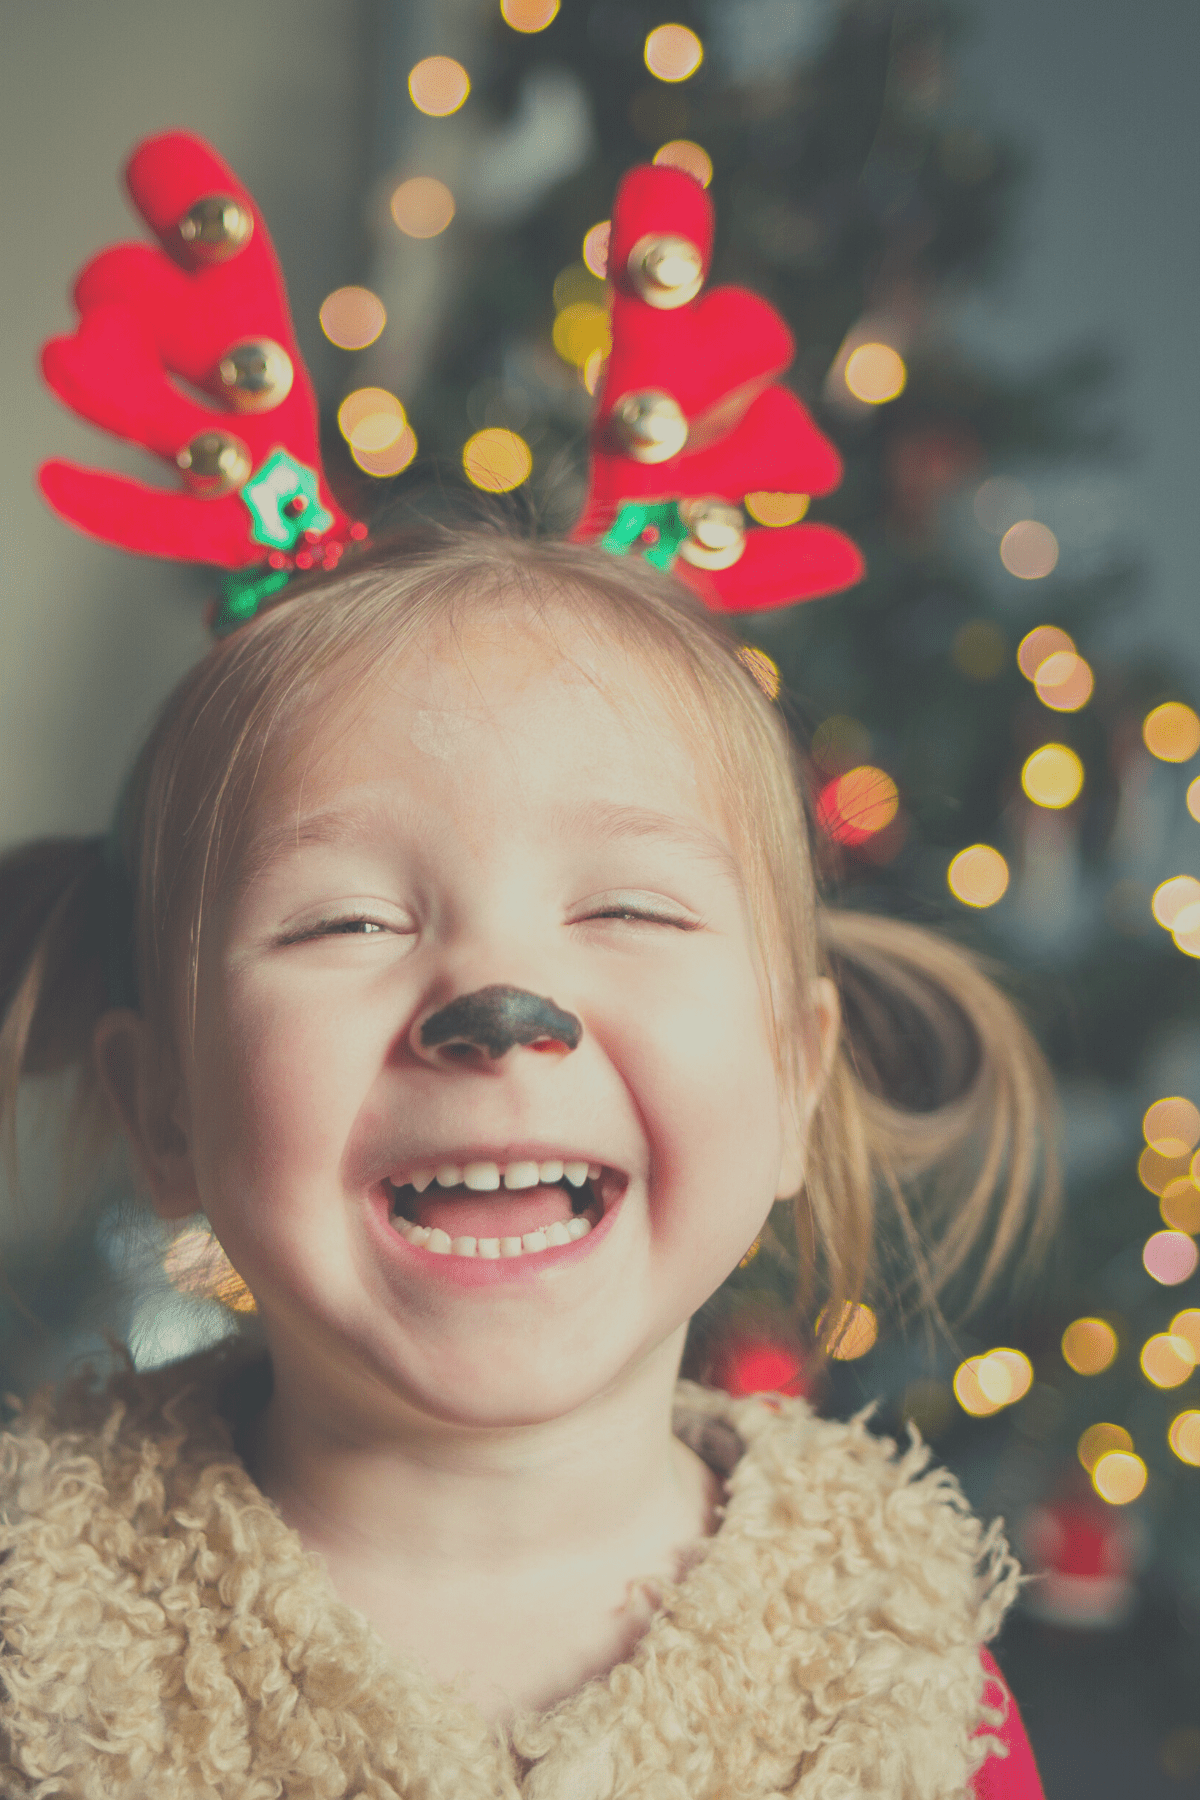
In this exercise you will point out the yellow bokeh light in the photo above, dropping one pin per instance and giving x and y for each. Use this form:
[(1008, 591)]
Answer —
[(1186, 1324), (352, 317), (595, 248), (673, 53), (1167, 1359), (529, 15), (761, 667), (371, 419), (1170, 1257), (1029, 550), (1180, 1206), (1039, 645), (776, 509), (855, 1333), (983, 1384), (438, 86), (1172, 1126), (978, 876), (581, 330), (1052, 776), (1193, 799), (1183, 1435), (422, 206), (1170, 897), (391, 459), (875, 373), (592, 370), (681, 153), (1099, 1440), (1064, 682), (969, 1393), (1172, 732), (979, 649), (1186, 930), (1089, 1346), (1157, 1172), (865, 801), (1119, 1477), (497, 460)]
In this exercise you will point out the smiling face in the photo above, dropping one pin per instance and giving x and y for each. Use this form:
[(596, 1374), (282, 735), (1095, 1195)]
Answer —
[(505, 806)]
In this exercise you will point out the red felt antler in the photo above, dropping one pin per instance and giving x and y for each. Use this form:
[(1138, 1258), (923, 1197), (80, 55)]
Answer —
[(689, 419), (209, 309)]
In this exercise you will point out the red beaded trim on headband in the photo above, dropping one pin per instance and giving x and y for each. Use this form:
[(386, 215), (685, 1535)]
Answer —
[(209, 308)]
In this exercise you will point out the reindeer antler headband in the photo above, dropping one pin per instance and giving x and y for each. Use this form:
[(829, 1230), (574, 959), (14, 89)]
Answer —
[(689, 417)]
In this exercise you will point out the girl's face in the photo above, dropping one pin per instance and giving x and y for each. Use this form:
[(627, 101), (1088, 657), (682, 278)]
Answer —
[(502, 807)]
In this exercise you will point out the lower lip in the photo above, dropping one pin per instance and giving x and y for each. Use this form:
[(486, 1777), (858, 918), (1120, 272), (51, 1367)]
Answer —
[(449, 1270)]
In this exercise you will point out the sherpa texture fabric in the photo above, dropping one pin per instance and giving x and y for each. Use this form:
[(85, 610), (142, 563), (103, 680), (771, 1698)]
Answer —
[(164, 1634)]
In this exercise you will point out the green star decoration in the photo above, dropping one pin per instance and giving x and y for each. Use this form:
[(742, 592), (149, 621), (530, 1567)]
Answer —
[(633, 519), (279, 481)]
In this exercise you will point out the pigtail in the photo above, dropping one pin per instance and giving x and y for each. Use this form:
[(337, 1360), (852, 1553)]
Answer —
[(53, 900), (932, 1157)]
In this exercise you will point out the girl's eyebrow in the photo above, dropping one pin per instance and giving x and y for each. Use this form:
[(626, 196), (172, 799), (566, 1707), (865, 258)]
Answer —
[(605, 820)]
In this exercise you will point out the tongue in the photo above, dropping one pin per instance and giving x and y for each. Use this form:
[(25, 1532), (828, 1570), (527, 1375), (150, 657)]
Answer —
[(461, 1213)]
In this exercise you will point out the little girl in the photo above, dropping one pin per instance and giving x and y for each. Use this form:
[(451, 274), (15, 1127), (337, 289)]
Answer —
[(477, 993)]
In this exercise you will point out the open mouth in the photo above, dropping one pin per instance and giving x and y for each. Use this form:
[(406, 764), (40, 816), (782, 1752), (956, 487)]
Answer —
[(493, 1209)]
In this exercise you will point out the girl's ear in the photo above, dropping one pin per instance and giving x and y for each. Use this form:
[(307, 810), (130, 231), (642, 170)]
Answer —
[(820, 1051), (140, 1077)]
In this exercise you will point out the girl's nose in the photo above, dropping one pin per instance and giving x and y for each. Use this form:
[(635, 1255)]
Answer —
[(489, 1022)]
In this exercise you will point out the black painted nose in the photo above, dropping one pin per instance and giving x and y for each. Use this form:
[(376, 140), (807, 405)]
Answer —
[(495, 1019)]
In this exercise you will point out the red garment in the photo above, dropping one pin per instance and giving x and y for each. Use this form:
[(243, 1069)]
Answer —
[(1015, 1776)]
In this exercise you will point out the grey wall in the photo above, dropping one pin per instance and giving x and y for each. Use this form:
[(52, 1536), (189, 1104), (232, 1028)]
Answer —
[(91, 640)]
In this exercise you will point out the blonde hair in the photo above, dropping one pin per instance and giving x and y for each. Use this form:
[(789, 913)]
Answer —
[(909, 1190)]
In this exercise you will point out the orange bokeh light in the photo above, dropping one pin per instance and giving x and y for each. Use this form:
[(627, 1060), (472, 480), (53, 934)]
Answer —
[(854, 806), (673, 53), (1029, 550), (1172, 732), (438, 86), (682, 153), (422, 206)]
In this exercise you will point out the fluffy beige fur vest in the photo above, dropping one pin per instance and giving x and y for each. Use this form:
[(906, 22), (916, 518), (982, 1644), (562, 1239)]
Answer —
[(165, 1636)]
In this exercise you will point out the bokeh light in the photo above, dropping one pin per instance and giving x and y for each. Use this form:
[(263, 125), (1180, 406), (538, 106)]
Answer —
[(582, 330), (1038, 646), (1157, 1172), (1029, 550), (673, 53), (371, 419), (1119, 1477), (875, 373), (1186, 1324), (984, 1384), (1172, 1126), (438, 86), (1186, 929), (529, 15), (391, 459), (1167, 1360), (776, 509), (856, 805), (1183, 1435), (1172, 732), (978, 876), (1052, 776), (1064, 682), (595, 248), (1089, 1346), (763, 669), (1193, 799), (855, 1333), (497, 460), (979, 650), (1000, 500), (1170, 1257), (352, 317), (682, 153), (422, 206), (1099, 1440), (1170, 897), (1180, 1205)]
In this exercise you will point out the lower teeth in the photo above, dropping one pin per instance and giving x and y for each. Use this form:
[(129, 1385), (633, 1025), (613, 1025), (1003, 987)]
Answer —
[(563, 1231)]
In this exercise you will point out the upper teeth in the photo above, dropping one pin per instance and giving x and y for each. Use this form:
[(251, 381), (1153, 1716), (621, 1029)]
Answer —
[(486, 1176)]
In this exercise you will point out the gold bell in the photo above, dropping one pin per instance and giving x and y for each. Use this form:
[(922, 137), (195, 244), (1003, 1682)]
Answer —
[(216, 228), (666, 271), (716, 533), (649, 426), (215, 463), (256, 374)]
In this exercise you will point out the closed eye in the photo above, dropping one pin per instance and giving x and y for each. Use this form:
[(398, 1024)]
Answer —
[(350, 925), (630, 914)]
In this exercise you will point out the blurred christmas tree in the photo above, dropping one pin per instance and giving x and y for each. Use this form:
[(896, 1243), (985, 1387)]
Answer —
[(984, 764)]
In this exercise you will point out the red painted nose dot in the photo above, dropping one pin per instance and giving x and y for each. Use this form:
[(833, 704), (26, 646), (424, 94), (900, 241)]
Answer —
[(549, 1047)]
